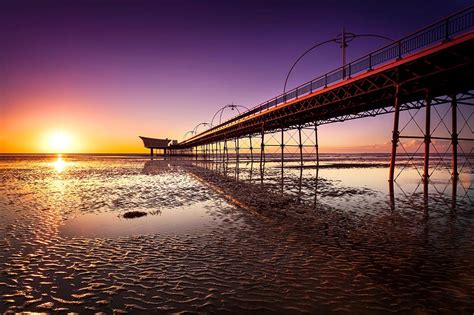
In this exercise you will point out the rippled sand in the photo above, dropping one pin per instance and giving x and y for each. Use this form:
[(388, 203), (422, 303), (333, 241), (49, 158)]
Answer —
[(254, 249)]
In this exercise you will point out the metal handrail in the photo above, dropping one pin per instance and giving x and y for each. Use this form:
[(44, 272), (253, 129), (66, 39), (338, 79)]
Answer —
[(442, 30)]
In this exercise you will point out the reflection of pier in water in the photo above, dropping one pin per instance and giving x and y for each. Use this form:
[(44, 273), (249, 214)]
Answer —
[(408, 227), (306, 185), (400, 255)]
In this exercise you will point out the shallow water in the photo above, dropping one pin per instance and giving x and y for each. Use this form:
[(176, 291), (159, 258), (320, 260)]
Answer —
[(223, 238)]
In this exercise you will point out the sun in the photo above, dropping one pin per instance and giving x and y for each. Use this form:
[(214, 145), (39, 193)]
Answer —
[(59, 141)]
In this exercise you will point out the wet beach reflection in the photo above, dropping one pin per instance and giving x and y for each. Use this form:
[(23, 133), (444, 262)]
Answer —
[(230, 237)]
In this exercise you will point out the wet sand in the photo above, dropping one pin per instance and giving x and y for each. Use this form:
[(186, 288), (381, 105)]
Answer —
[(256, 250)]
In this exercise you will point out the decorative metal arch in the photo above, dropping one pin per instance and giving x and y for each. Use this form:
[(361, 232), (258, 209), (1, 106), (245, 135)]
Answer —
[(221, 111), (187, 132), (200, 124), (342, 39)]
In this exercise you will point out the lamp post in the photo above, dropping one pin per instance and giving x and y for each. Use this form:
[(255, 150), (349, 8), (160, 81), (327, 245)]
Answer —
[(342, 39)]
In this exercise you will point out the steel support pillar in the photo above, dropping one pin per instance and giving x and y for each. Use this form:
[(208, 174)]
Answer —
[(215, 151), (426, 161), (219, 149), (282, 147), (237, 150), (300, 146), (316, 145), (251, 148), (454, 194), (395, 133), (262, 148), (454, 136), (225, 150)]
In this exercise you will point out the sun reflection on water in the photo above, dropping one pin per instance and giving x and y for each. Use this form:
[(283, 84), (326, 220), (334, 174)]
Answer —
[(59, 164)]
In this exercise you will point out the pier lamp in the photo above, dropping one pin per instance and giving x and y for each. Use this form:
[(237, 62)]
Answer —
[(342, 39), (221, 111)]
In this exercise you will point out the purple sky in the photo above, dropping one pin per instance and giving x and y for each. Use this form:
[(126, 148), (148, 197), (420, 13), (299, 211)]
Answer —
[(119, 69)]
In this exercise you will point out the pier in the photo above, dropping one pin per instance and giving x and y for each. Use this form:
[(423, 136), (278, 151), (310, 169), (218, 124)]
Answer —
[(430, 67)]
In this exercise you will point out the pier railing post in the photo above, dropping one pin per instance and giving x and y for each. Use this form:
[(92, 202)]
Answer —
[(395, 132), (454, 136), (426, 161)]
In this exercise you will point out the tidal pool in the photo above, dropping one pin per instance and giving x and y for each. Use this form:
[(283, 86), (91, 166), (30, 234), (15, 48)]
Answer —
[(110, 224)]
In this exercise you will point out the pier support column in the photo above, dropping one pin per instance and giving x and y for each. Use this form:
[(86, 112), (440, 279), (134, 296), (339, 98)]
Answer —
[(395, 133), (220, 149), (282, 147), (226, 151), (316, 141), (237, 150), (262, 148), (391, 191), (151, 153), (454, 193), (300, 146), (214, 150), (426, 162), (454, 136), (251, 148)]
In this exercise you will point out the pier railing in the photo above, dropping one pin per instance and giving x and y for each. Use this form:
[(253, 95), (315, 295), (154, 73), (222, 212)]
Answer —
[(435, 33)]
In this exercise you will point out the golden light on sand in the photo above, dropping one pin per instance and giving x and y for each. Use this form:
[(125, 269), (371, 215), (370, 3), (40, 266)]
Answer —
[(58, 142)]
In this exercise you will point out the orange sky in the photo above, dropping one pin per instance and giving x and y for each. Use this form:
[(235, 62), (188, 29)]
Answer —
[(30, 125)]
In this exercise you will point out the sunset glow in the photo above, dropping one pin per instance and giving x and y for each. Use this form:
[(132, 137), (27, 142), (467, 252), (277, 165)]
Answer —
[(58, 142), (107, 88), (232, 157)]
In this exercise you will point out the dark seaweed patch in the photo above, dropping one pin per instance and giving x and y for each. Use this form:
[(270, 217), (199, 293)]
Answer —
[(134, 214)]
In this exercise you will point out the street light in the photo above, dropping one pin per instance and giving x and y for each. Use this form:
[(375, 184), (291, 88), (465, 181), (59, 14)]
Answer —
[(342, 39), (221, 110)]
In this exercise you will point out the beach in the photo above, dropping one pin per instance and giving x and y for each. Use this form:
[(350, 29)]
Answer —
[(228, 237)]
